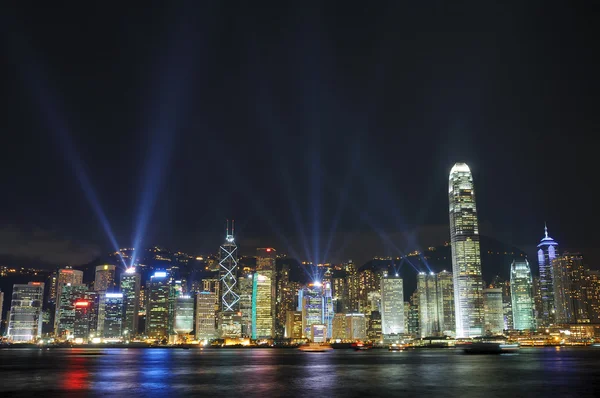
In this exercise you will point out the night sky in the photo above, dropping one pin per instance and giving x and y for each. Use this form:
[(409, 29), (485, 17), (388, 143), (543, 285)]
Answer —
[(326, 131)]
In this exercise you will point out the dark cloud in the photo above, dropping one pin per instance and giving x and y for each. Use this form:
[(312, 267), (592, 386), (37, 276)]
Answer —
[(34, 245)]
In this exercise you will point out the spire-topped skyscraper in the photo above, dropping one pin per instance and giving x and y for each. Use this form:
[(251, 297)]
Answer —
[(228, 271), (547, 251), (466, 257)]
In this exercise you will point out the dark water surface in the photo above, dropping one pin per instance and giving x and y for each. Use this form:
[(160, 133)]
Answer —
[(155, 372)]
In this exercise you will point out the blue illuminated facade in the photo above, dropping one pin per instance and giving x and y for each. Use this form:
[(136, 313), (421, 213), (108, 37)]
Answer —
[(547, 251)]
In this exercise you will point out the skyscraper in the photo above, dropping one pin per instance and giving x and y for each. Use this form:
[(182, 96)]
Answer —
[(428, 304), (65, 309), (157, 307), (245, 287), (445, 294), (25, 321), (310, 300), (547, 252), (569, 280), (263, 322), (130, 287), (113, 316), (228, 268), (392, 305), (264, 295), (184, 315), (105, 278), (493, 311), (205, 316), (466, 256), (521, 293)]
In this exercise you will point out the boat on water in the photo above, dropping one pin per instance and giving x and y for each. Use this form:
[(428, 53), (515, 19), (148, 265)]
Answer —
[(396, 347), (361, 346), (488, 346), (315, 347)]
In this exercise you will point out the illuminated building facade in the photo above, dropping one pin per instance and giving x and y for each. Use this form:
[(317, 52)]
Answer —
[(466, 256), (130, 287), (157, 307), (311, 301), (206, 316), (82, 326), (428, 304), (65, 309), (293, 325), (25, 316), (374, 326), (413, 313), (184, 315), (245, 287), (592, 295), (547, 252), (352, 286), (521, 293), (445, 294), (569, 281), (339, 327), (228, 268), (356, 327), (283, 302), (493, 311), (369, 282), (113, 316), (392, 305), (105, 278), (263, 321)]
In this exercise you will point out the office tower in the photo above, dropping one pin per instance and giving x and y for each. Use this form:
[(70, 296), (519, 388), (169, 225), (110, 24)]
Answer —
[(282, 303), (356, 327), (413, 322), (328, 312), (184, 315), (466, 256), (82, 322), (310, 300), (113, 316), (499, 283), (105, 278), (445, 295), (25, 319), (338, 326), (352, 286), (288, 295), (51, 282), (63, 277), (293, 325), (374, 326), (392, 305), (368, 282), (176, 290), (428, 304), (263, 322), (264, 295), (592, 295), (339, 287), (157, 307), (228, 264), (65, 309), (493, 311), (538, 305), (569, 280), (130, 287), (245, 287), (521, 293), (318, 333), (205, 316), (547, 252)]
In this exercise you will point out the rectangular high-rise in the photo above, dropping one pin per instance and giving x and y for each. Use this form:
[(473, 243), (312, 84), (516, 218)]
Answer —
[(428, 304), (130, 287), (25, 320), (466, 256), (263, 321), (105, 278), (113, 316), (157, 307), (392, 305), (569, 279), (205, 316), (521, 293), (493, 311)]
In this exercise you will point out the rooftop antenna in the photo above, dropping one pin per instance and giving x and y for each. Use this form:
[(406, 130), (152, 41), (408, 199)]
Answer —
[(545, 229)]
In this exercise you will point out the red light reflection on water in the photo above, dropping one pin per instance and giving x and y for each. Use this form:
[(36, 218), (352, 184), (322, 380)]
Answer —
[(76, 376)]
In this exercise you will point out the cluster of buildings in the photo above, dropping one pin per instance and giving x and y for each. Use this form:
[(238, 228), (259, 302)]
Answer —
[(260, 304)]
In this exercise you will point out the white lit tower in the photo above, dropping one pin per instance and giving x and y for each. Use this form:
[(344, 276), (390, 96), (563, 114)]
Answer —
[(228, 272), (466, 256)]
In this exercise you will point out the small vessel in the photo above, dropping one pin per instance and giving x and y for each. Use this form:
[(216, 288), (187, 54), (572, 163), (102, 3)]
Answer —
[(359, 346), (315, 347), (396, 347), (488, 346)]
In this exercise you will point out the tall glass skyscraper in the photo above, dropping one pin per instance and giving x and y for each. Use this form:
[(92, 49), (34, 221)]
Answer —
[(157, 306), (105, 278), (228, 268), (263, 321), (569, 288), (428, 304), (392, 305), (130, 287), (547, 252), (466, 256), (521, 293), (25, 320)]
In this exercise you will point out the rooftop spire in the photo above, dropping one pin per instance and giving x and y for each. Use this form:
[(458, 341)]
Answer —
[(545, 229)]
